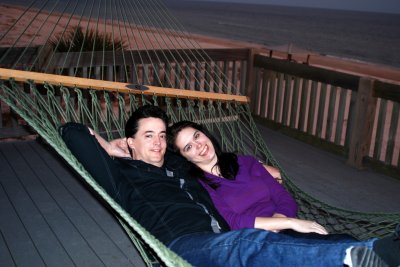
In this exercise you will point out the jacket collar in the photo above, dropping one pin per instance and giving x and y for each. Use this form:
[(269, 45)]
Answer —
[(172, 162)]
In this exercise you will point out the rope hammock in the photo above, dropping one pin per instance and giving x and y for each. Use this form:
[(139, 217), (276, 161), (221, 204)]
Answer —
[(117, 56)]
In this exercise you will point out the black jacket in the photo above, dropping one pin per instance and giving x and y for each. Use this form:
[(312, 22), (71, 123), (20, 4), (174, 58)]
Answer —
[(156, 197)]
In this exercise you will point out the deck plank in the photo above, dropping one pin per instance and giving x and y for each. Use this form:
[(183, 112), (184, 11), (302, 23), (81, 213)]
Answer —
[(16, 238), (6, 258), (44, 219), (103, 217), (64, 224)]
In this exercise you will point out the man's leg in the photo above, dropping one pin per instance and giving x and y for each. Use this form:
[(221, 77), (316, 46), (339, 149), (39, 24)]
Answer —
[(252, 247)]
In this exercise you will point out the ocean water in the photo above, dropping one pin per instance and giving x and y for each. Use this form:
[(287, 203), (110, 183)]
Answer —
[(364, 36)]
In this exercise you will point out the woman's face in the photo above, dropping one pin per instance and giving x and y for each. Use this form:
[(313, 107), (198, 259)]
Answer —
[(196, 147)]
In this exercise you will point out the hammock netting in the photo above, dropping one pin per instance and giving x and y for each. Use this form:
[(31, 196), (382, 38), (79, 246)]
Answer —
[(46, 107), (139, 45)]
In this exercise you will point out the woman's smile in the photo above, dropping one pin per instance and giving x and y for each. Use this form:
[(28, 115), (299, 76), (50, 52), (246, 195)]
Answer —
[(204, 151)]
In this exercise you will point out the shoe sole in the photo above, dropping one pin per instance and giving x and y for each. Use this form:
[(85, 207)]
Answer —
[(364, 257)]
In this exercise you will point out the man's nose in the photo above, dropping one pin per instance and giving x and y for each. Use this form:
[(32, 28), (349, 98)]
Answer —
[(157, 140)]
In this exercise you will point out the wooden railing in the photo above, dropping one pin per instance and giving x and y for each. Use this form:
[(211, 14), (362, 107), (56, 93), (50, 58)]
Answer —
[(357, 116), (354, 115), (217, 70), (230, 77)]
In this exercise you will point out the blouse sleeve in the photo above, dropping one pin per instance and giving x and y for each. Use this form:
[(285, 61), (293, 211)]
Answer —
[(285, 203)]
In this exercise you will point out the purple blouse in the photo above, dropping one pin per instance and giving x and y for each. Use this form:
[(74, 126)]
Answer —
[(254, 193)]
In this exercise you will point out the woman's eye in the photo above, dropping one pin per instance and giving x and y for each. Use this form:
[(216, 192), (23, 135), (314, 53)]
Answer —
[(188, 148)]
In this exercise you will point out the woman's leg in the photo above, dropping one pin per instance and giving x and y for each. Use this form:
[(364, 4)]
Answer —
[(332, 237), (253, 247)]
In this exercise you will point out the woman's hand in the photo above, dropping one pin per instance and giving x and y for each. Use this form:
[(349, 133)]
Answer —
[(304, 226), (279, 215)]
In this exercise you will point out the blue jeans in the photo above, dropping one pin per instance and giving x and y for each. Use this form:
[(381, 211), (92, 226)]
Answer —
[(253, 247)]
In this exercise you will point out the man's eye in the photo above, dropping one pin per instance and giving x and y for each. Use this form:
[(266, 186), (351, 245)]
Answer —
[(162, 136), (148, 136)]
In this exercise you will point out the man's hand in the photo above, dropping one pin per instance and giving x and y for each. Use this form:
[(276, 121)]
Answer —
[(118, 148), (114, 148)]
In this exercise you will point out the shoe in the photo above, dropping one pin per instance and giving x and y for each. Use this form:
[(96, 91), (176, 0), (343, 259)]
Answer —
[(365, 257), (388, 248)]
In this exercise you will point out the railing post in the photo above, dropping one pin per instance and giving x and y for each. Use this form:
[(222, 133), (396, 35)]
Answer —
[(250, 74), (1, 116), (363, 122)]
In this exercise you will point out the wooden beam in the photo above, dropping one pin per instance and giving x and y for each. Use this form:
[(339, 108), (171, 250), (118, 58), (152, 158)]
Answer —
[(250, 73), (332, 77), (363, 122), (84, 83)]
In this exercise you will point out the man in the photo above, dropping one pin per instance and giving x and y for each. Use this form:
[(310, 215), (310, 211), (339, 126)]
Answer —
[(150, 184), (154, 193)]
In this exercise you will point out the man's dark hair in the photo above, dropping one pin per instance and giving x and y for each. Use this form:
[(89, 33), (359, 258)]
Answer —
[(146, 111)]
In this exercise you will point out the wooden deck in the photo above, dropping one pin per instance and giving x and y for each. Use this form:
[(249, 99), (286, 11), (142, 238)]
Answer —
[(49, 218), (329, 178)]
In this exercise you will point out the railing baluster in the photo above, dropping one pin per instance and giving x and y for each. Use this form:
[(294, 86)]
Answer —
[(392, 134)]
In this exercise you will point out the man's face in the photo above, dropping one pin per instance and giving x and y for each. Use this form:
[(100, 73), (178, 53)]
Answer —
[(149, 143)]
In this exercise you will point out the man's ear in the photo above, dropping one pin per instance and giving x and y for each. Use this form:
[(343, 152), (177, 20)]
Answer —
[(130, 143), (131, 147)]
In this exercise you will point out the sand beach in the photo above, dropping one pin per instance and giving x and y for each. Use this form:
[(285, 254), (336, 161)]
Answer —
[(35, 28)]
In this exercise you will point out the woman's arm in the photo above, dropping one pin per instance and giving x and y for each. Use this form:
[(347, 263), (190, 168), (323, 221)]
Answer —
[(279, 224), (276, 223), (285, 204), (274, 173)]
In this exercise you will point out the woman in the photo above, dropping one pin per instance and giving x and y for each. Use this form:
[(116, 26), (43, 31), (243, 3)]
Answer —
[(245, 194)]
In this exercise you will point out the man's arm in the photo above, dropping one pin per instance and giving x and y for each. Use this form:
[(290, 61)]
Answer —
[(88, 151), (115, 148)]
